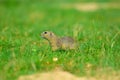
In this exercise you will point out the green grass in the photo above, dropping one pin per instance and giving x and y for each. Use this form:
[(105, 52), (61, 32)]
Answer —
[(23, 51)]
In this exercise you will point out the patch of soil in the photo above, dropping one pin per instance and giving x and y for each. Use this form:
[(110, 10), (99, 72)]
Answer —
[(55, 75), (63, 75), (90, 6)]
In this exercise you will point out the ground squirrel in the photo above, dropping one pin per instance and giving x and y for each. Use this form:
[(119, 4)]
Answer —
[(59, 43)]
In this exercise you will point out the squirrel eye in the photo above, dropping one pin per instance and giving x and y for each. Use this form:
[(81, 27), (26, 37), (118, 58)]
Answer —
[(45, 32)]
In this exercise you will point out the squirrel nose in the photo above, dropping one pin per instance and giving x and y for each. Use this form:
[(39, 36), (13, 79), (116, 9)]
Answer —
[(41, 34)]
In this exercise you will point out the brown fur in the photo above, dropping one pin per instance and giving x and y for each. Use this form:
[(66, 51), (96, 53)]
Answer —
[(57, 43)]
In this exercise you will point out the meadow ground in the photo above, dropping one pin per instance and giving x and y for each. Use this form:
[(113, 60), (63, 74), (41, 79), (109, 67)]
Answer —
[(23, 51)]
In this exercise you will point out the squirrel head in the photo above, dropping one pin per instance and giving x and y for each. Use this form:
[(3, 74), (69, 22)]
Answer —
[(48, 35)]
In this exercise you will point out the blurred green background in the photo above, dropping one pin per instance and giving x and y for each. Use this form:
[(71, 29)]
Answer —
[(23, 51)]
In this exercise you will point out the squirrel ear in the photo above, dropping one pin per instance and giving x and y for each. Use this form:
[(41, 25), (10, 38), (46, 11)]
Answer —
[(51, 34)]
